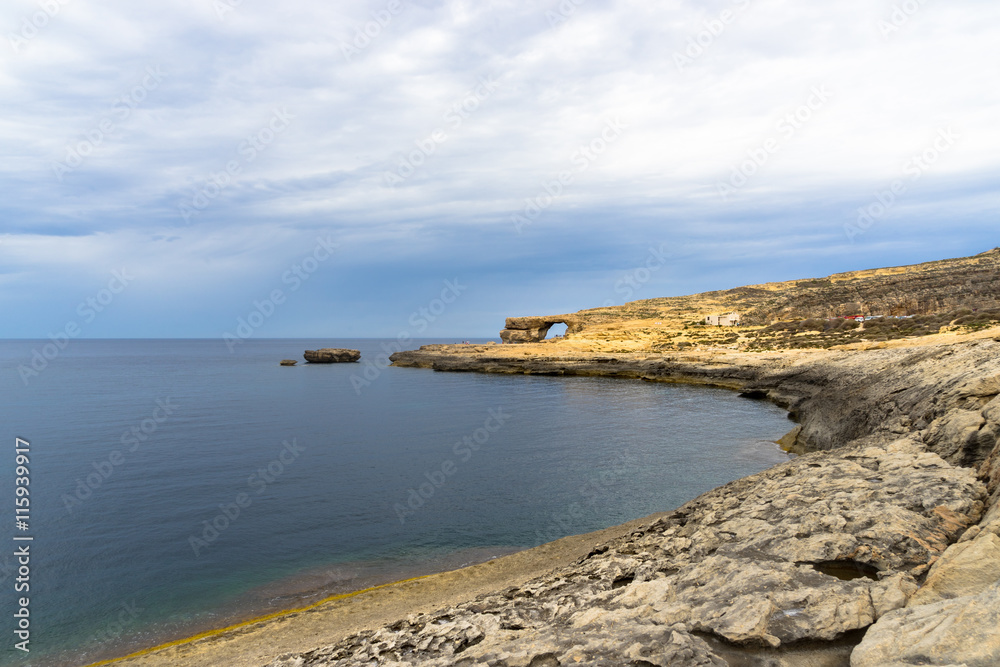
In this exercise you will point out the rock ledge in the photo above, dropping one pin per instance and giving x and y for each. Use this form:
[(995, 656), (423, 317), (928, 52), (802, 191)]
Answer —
[(332, 355)]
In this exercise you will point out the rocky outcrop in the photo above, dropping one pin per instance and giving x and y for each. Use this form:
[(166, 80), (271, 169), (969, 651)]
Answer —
[(534, 329), (331, 355), (889, 528), (288, 362), (962, 631)]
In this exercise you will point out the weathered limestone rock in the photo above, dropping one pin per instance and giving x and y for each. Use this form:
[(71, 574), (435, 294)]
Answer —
[(989, 469), (962, 631), (288, 362), (966, 568), (288, 660), (766, 602), (331, 355), (534, 329)]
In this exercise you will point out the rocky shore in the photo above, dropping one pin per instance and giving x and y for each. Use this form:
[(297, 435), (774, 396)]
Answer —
[(880, 545)]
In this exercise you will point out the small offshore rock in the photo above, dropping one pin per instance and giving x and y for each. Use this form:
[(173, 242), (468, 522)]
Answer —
[(332, 355), (288, 362)]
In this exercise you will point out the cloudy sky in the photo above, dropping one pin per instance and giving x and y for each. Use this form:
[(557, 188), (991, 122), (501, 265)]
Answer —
[(359, 159)]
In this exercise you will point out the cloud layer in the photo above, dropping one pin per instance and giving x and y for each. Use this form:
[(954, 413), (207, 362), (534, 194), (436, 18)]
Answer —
[(536, 150)]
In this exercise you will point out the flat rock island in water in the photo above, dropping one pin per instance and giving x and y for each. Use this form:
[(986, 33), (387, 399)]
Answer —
[(331, 355)]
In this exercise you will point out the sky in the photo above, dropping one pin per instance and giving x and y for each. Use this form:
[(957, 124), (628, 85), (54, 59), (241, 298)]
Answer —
[(418, 168)]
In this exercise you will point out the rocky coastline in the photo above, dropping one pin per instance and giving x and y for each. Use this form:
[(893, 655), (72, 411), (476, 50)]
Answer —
[(879, 545)]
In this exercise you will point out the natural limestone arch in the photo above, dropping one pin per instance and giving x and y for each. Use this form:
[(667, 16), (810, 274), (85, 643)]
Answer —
[(534, 329)]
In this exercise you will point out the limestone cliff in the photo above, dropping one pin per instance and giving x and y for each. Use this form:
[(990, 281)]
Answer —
[(963, 289)]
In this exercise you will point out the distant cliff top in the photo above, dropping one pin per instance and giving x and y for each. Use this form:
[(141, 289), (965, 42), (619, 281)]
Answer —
[(917, 289), (963, 290)]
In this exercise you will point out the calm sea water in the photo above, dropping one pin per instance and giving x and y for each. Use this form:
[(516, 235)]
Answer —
[(176, 486)]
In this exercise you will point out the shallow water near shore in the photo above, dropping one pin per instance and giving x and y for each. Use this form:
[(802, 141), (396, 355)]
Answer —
[(178, 487)]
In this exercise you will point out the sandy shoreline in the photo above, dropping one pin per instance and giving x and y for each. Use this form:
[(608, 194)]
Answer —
[(301, 590), (256, 642)]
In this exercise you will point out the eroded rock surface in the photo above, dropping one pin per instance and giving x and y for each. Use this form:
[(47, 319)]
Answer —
[(534, 329), (331, 355), (962, 631)]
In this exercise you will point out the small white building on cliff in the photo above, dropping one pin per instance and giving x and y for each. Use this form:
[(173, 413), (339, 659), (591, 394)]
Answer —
[(729, 320)]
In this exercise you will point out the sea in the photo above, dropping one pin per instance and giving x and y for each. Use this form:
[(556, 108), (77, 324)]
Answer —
[(175, 486)]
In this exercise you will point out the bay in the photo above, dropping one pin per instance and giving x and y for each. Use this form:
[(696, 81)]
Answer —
[(177, 486)]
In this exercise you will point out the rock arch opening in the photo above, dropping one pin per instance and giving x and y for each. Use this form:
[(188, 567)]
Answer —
[(536, 329), (557, 330)]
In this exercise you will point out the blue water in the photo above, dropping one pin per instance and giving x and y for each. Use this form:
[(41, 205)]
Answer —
[(338, 484)]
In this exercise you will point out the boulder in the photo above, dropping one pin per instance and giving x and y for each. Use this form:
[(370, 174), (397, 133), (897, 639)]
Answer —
[(288, 362), (331, 355), (962, 631), (965, 568)]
